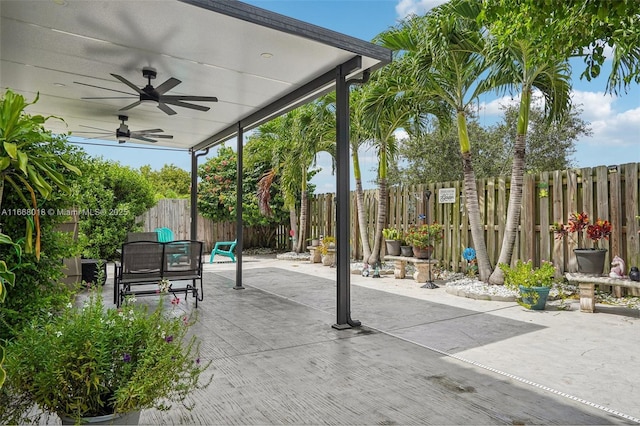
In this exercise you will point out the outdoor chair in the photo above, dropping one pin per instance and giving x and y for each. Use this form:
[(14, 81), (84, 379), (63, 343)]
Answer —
[(165, 235), (224, 248), (144, 264)]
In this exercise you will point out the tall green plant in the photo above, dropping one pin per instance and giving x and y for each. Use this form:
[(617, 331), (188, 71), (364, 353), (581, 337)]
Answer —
[(9, 277), (24, 164), (443, 58)]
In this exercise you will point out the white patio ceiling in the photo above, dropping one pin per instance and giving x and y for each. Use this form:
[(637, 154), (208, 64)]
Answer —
[(216, 48)]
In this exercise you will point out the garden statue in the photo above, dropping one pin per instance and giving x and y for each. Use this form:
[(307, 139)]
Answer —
[(634, 274), (617, 268)]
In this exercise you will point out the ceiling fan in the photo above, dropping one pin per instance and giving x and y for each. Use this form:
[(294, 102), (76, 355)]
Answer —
[(123, 134), (157, 94)]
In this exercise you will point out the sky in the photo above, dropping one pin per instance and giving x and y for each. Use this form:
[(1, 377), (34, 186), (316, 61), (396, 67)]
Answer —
[(614, 120)]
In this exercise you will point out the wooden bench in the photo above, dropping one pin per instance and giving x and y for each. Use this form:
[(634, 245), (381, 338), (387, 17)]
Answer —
[(586, 283), (423, 267), (144, 264)]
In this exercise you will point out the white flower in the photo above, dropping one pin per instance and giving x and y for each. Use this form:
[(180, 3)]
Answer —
[(69, 305), (58, 333)]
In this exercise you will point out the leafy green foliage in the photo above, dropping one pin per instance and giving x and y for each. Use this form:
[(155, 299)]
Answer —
[(37, 288), (25, 161), (110, 197), (169, 182), (94, 361), (425, 235), (574, 28), (217, 190), (526, 275), (549, 147)]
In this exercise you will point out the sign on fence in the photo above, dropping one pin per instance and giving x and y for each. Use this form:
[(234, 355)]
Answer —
[(447, 195)]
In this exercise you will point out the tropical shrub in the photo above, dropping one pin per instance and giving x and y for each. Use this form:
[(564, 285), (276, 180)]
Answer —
[(110, 197)]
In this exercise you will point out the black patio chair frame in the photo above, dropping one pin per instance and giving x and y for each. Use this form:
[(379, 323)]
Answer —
[(147, 263)]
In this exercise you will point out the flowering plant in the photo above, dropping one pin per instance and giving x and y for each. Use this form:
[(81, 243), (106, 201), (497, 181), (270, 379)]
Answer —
[(327, 243), (579, 224), (93, 361), (425, 235)]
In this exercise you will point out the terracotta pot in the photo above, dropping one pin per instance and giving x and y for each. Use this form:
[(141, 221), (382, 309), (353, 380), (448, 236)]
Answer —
[(422, 252)]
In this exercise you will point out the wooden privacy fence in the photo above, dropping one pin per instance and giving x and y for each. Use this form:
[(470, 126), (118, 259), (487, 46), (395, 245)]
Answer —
[(175, 215), (548, 197)]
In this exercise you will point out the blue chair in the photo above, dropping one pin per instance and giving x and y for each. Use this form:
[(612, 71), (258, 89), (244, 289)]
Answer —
[(219, 248), (165, 235)]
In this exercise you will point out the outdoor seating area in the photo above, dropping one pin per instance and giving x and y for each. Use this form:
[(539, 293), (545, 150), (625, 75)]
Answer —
[(427, 359), (145, 265)]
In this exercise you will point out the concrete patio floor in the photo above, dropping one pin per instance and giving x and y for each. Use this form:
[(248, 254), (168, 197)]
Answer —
[(421, 357)]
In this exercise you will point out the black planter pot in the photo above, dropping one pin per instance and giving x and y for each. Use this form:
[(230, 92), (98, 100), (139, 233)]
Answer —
[(406, 251), (590, 261), (90, 271), (393, 247)]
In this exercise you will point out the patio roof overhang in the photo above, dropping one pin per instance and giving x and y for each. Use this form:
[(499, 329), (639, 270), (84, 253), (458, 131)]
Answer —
[(259, 64)]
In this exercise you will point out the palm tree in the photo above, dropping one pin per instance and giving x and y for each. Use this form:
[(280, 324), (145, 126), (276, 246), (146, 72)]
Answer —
[(383, 113), (519, 65), (443, 53), (296, 138)]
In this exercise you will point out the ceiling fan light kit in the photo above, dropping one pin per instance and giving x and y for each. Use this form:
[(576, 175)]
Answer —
[(123, 134)]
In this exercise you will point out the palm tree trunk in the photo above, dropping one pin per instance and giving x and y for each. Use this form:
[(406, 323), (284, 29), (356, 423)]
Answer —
[(362, 220), (302, 231), (293, 222), (471, 196), (380, 222), (517, 181)]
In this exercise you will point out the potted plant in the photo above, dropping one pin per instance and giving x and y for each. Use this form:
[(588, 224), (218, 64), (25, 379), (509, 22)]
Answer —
[(93, 364), (423, 238), (590, 260), (405, 248), (532, 283), (392, 238), (328, 250)]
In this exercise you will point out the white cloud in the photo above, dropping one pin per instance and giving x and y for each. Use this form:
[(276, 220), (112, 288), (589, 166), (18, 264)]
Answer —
[(405, 8), (595, 105)]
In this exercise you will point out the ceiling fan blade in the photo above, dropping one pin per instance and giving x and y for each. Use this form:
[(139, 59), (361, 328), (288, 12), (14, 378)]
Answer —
[(104, 88), (186, 105), (166, 109), (109, 97), (159, 136), (166, 98), (167, 85), (148, 131), (135, 104), (142, 138), (128, 83)]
